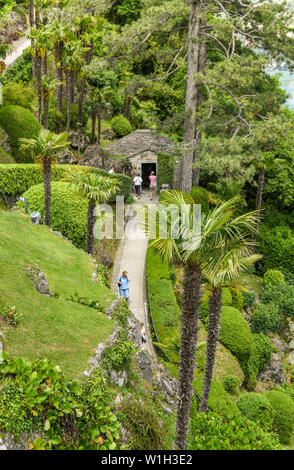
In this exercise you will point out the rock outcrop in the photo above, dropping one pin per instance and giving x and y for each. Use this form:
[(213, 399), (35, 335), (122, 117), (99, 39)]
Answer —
[(39, 280), (95, 156)]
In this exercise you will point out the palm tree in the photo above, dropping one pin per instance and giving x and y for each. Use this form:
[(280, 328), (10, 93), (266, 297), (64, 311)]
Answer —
[(194, 249), (44, 148), (49, 84), (226, 267), (97, 189)]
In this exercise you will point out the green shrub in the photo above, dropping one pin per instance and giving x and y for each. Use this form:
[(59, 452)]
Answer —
[(282, 296), (20, 71), (230, 383), (219, 401), (237, 299), (283, 407), (226, 297), (249, 299), (119, 355), (208, 431), (265, 318), (165, 169), (260, 354), (5, 157), (53, 114), (201, 196), (204, 312), (18, 122), (35, 398), (15, 179), (257, 408), (18, 94), (235, 334), (273, 277), (121, 126), (121, 313), (277, 247), (69, 210)]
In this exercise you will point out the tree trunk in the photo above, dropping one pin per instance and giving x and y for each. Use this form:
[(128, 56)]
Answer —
[(46, 110), (38, 71), (99, 118), (47, 188), (215, 305), (198, 136), (261, 177), (191, 96), (94, 117), (127, 107), (80, 118), (59, 76), (90, 228), (189, 329), (31, 13), (68, 97)]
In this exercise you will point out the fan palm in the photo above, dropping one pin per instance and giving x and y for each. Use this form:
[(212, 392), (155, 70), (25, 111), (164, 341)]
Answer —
[(97, 189), (234, 257), (194, 248), (44, 148)]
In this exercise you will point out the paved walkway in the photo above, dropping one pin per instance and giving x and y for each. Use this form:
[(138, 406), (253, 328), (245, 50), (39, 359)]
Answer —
[(18, 47), (131, 258)]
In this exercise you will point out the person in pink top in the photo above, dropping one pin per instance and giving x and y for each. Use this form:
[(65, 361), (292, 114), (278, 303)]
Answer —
[(152, 179)]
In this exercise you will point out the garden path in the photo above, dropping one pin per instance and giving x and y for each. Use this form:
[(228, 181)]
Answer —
[(131, 258), (18, 47)]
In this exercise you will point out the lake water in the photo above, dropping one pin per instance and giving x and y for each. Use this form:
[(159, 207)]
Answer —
[(287, 83)]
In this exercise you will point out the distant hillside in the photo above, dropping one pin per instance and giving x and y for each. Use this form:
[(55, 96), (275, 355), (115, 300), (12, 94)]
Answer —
[(57, 328)]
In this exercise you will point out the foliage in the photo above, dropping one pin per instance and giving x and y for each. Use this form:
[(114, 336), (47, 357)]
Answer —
[(209, 431), (36, 397), (273, 277), (165, 169), (53, 115), (95, 304), (249, 299), (282, 296), (69, 211), (20, 71), (235, 334), (102, 275), (277, 247), (121, 314), (259, 358), (265, 318), (5, 157), (219, 401), (226, 297), (15, 179), (257, 408), (11, 316), (19, 95), (121, 126), (148, 431), (201, 196), (18, 122), (237, 299), (283, 407), (230, 383), (120, 354)]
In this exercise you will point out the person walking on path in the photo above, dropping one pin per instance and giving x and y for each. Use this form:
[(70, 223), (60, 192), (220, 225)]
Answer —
[(137, 182), (153, 184), (111, 171), (123, 284), (143, 333)]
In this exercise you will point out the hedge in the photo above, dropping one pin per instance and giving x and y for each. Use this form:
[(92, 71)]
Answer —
[(165, 169), (18, 122), (257, 408), (235, 334), (277, 248), (201, 196), (15, 179), (121, 126), (209, 431), (69, 210), (260, 354), (283, 407), (165, 310)]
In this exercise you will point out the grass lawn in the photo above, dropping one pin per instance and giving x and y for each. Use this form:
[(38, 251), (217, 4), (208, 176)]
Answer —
[(51, 327)]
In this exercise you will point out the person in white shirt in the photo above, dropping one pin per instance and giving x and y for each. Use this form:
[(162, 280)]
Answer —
[(143, 333), (111, 171), (137, 182)]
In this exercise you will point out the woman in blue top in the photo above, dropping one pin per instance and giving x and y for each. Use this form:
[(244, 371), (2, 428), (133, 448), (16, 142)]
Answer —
[(123, 284)]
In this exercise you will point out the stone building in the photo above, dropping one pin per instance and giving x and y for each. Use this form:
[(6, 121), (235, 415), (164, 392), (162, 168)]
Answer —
[(141, 149)]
